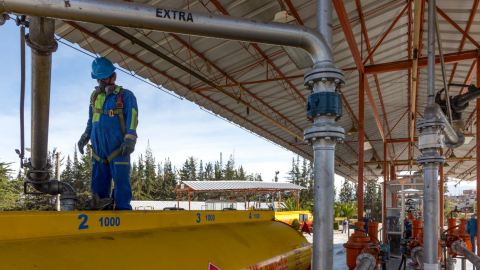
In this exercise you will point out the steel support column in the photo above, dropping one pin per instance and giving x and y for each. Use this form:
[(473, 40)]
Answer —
[(478, 153), (361, 140), (385, 174), (440, 193)]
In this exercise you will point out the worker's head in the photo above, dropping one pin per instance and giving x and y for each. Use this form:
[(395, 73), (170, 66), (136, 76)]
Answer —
[(104, 72)]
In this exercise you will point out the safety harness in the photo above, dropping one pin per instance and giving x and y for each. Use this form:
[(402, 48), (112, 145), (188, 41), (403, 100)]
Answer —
[(110, 113)]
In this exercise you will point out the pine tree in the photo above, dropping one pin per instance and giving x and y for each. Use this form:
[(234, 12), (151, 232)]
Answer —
[(346, 192), (242, 174), (275, 179), (201, 173), (149, 186), (229, 172)]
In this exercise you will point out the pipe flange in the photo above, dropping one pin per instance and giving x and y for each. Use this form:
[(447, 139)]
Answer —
[(456, 246), (324, 74), (324, 132), (430, 123), (368, 256), (412, 254), (41, 49), (431, 141), (461, 140), (424, 160)]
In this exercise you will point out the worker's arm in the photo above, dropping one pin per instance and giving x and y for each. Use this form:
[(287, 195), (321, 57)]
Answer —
[(88, 130), (131, 113)]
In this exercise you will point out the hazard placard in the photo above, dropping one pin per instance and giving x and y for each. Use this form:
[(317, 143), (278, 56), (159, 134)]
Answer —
[(212, 266)]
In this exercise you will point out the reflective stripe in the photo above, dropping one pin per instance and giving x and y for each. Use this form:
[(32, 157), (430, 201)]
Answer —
[(133, 124), (93, 162), (98, 105), (122, 163)]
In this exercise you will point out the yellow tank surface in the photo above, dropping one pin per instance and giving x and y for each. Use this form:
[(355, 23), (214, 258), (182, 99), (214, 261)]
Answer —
[(288, 217), (225, 240)]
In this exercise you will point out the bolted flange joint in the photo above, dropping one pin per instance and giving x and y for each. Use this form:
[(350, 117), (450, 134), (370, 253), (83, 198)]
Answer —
[(327, 132), (430, 123), (430, 159), (325, 74), (41, 49)]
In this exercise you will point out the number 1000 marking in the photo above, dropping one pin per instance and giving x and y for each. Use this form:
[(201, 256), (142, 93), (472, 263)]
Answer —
[(109, 221)]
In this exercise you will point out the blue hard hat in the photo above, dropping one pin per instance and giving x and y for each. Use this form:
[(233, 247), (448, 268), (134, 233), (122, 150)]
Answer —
[(102, 68)]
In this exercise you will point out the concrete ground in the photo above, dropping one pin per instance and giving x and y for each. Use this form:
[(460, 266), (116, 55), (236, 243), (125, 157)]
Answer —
[(339, 254)]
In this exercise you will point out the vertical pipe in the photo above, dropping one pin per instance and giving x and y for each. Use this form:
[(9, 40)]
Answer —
[(385, 173), (402, 218), (178, 199), (441, 192), (478, 155), (324, 162), (361, 134), (188, 199), (430, 169), (324, 20), (42, 34)]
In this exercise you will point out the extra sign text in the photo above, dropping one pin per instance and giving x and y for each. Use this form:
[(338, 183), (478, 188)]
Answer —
[(175, 15)]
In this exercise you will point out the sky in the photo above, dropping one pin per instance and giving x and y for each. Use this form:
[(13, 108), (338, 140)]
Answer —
[(175, 128)]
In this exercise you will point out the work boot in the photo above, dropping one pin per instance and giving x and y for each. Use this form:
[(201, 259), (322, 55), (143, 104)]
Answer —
[(95, 203)]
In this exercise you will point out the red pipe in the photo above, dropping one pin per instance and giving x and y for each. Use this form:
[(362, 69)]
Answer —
[(478, 151), (361, 139)]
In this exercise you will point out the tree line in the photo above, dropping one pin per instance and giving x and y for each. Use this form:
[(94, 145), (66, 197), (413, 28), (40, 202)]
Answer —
[(152, 180)]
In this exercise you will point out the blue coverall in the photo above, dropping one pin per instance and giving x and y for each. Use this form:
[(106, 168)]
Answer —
[(472, 231), (106, 136)]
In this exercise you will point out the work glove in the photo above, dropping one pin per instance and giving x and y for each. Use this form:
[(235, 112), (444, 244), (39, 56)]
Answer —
[(128, 146), (82, 142)]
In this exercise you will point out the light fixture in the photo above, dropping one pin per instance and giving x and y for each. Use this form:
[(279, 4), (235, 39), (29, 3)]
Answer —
[(378, 167), (469, 138), (373, 159), (452, 156), (446, 165), (299, 57), (382, 172), (367, 146), (353, 130)]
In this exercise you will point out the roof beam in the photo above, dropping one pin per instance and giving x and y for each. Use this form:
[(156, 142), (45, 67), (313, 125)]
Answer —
[(245, 120), (342, 16), (386, 32), (464, 38), (295, 93), (422, 62), (247, 83), (265, 105)]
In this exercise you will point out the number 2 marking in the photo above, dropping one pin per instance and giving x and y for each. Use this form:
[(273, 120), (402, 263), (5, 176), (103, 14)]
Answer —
[(82, 225), (198, 216)]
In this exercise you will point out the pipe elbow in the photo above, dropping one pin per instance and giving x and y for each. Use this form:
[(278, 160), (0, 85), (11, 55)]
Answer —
[(315, 44), (55, 187)]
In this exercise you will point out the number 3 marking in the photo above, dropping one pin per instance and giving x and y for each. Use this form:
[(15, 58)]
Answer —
[(198, 216), (82, 225)]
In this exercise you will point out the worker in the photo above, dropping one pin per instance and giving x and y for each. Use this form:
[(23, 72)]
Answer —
[(472, 230), (111, 128)]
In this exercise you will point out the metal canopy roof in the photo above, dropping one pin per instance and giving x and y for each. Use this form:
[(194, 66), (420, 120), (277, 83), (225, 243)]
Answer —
[(235, 185), (267, 79)]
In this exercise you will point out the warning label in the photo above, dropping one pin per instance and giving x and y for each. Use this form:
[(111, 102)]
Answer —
[(212, 266)]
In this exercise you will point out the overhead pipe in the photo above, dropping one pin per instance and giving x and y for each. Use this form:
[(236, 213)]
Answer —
[(42, 42), (144, 16)]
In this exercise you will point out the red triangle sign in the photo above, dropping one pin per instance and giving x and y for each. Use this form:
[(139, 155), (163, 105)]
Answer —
[(211, 266)]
